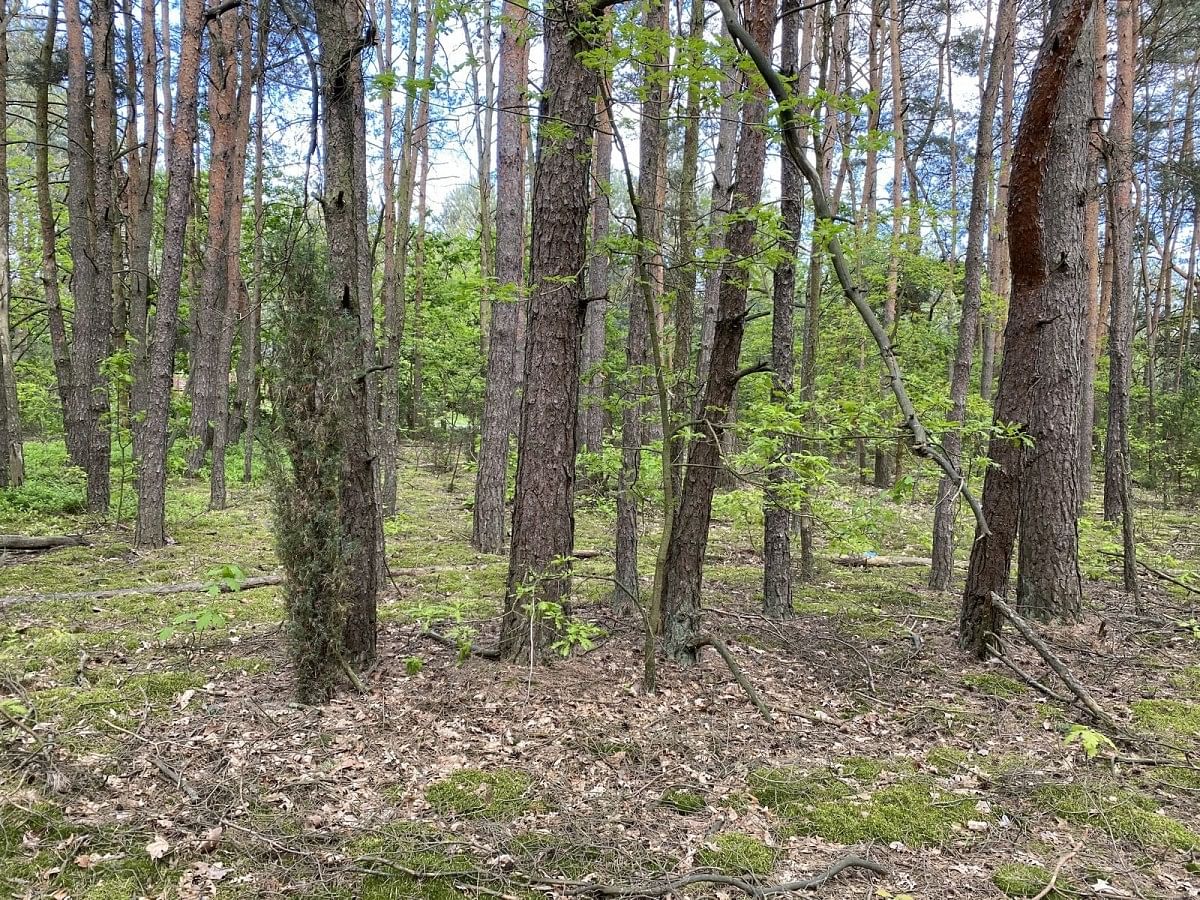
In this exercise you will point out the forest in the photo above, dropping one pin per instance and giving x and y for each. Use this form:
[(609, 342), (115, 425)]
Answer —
[(599, 448)]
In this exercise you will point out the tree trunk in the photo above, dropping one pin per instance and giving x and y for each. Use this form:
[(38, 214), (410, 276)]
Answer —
[(689, 537), (152, 467), (235, 289), (12, 458), (942, 567), (59, 348), (1091, 250), (1032, 489), (420, 161), (1118, 490), (251, 350), (543, 516), (344, 206), (777, 502), (591, 409), (90, 136), (503, 376), (885, 462), (651, 146), (393, 311)]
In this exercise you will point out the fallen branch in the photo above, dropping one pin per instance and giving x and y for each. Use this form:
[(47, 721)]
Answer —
[(871, 562), (1062, 861), (1054, 663), (40, 542), (708, 640), (151, 590)]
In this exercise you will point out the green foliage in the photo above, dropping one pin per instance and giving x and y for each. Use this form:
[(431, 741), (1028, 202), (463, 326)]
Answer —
[(496, 795), (735, 853), (1091, 740), (224, 578), (194, 624)]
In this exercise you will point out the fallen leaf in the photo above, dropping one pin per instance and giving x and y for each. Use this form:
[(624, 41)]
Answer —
[(158, 848)]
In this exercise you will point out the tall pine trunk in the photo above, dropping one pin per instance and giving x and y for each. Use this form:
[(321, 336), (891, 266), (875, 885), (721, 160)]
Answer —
[(1031, 486), (503, 375), (543, 516)]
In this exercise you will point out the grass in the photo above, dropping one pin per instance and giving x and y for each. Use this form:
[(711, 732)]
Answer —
[(1172, 717)]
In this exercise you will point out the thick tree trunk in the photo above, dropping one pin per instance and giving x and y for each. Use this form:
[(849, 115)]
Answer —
[(591, 410), (942, 567), (543, 516), (344, 206), (777, 500), (503, 376), (1032, 488), (12, 458), (152, 468), (90, 202), (207, 383), (1118, 490), (689, 537)]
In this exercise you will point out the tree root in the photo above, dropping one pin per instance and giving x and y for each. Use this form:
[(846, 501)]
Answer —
[(1060, 669), (708, 640)]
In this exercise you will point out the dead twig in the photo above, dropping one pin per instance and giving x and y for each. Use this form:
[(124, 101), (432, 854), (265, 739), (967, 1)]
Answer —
[(1000, 656)]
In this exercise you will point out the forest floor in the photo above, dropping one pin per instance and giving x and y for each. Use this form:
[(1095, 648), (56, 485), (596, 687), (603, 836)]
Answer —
[(137, 761)]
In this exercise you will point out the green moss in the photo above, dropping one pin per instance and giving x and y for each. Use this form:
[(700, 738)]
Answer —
[(1021, 879), (1181, 717), (912, 811), (683, 801), (554, 854), (778, 787), (1121, 812), (735, 853), (405, 887), (496, 795), (1188, 680), (999, 686), (946, 759)]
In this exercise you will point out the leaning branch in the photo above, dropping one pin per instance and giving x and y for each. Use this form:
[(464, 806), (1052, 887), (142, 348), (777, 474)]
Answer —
[(1055, 663), (708, 640), (921, 444)]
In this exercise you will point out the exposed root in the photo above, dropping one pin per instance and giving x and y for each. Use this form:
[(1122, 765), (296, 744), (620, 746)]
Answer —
[(708, 640)]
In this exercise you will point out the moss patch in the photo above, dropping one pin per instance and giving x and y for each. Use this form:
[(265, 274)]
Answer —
[(912, 810), (683, 801), (1180, 717), (1124, 813), (735, 853), (999, 686), (1022, 880), (496, 795)]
